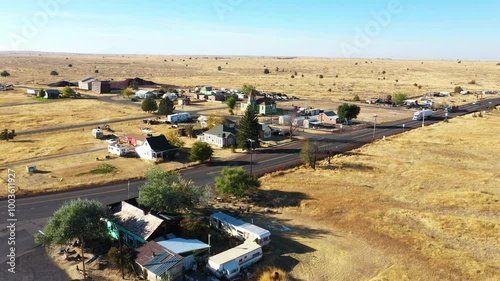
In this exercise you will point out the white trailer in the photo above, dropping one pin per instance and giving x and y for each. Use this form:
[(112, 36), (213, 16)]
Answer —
[(178, 117), (97, 133), (423, 114), (118, 149), (241, 230), (170, 96), (228, 264)]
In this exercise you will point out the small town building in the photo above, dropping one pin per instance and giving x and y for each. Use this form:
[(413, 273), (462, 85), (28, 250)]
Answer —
[(263, 105), (101, 87), (191, 250), (239, 229), (156, 261), (52, 94), (221, 136), (133, 225), (85, 83), (157, 148), (118, 149), (228, 264), (133, 139)]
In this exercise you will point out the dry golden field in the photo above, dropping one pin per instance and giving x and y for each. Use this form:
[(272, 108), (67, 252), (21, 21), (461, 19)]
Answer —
[(424, 205), (345, 77)]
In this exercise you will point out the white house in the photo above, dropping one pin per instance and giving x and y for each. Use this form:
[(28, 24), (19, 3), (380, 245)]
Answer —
[(228, 264), (156, 148), (85, 83), (118, 149), (240, 229), (221, 136)]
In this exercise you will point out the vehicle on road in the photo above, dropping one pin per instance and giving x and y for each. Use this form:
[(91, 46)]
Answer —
[(423, 114)]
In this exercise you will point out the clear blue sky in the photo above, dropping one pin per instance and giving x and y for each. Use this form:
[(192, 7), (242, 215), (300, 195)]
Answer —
[(413, 29)]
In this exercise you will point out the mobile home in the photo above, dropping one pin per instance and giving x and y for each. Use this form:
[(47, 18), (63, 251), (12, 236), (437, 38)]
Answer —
[(228, 264), (118, 149), (240, 229), (178, 117)]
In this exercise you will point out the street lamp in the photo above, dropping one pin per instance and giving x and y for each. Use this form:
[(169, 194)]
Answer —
[(251, 158), (403, 128), (374, 124)]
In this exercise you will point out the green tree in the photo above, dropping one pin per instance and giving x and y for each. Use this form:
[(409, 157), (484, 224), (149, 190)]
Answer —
[(42, 93), (236, 181), (247, 89), (149, 105), (399, 98), (248, 129), (348, 111), (214, 121), (82, 219), (128, 92), (356, 98), (68, 92), (309, 153), (231, 104), (219, 68), (457, 89), (201, 151), (266, 71), (54, 73), (166, 107), (5, 73), (6, 135), (122, 256), (192, 228), (168, 191), (174, 138), (321, 76)]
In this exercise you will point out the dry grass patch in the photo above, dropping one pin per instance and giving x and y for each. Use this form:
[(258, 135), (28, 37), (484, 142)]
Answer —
[(424, 206)]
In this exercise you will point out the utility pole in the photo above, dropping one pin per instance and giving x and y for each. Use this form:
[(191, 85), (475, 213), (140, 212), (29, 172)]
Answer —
[(374, 125), (128, 190), (251, 153), (83, 260)]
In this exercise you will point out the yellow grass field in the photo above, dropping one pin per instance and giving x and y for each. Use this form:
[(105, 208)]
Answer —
[(345, 77), (419, 206)]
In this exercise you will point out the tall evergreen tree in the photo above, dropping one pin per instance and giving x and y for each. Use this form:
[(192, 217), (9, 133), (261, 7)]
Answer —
[(166, 107), (149, 105), (248, 129)]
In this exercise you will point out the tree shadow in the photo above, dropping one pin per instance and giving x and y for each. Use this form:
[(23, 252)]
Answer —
[(221, 163), (284, 244), (353, 166), (279, 150), (38, 171), (23, 141), (278, 198)]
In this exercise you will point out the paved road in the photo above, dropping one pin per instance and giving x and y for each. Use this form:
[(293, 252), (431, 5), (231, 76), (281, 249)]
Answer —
[(32, 212)]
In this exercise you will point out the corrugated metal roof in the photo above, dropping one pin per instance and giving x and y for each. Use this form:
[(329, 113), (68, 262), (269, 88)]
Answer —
[(181, 245), (133, 219), (251, 228), (156, 258)]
